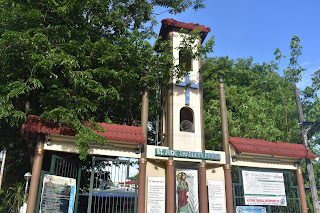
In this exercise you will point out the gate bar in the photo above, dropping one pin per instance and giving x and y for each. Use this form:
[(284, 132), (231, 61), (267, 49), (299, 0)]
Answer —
[(91, 185)]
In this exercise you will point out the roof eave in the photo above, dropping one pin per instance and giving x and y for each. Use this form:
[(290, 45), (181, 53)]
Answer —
[(255, 157)]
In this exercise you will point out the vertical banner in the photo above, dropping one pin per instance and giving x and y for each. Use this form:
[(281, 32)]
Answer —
[(58, 194), (264, 188), (156, 195), (216, 195), (187, 198)]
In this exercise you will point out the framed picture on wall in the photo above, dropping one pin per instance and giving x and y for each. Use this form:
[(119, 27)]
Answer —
[(187, 191)]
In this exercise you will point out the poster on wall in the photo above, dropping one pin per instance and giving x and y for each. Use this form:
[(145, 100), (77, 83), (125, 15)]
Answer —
[(58, 194), (156, 195), (187, 199), (216, 195), (264, 188)]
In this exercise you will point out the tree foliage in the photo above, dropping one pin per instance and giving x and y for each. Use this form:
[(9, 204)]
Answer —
[(311, 108), (77, 60), (293, 71), (260, 103)]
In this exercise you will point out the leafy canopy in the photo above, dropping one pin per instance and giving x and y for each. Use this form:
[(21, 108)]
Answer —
[(74, 60), (260, 103)]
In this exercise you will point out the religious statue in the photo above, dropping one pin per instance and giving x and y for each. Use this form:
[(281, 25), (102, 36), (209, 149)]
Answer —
[(182, 190)]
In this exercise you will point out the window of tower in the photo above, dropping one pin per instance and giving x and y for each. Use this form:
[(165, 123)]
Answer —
[(185, 60), (186, 120)]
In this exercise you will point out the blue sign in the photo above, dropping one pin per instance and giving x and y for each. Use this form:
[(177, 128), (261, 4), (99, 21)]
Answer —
[(251, 209), (71, 201)]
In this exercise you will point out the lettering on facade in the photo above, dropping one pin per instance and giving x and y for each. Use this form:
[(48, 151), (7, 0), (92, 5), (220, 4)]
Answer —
[(187, 154)]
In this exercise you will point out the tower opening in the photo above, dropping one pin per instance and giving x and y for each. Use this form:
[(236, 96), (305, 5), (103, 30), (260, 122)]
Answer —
[(186, 120), (185, 59)]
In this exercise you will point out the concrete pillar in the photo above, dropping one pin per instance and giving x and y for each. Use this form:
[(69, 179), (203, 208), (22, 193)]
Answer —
[(170, 200), (143, 160), (202, 169), (302, 194), (228, 187), (142, 185), (225, 140), (144, 111), (36, 172), (203, 188)]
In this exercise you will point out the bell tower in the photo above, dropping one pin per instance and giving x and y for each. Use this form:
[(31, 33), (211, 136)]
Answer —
[(182, 113), (180, 163)]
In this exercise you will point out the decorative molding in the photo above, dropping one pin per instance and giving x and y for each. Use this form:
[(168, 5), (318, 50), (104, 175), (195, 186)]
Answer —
[(202, 165), (142, 161), (221, 86), (170, 163), (227, 167)]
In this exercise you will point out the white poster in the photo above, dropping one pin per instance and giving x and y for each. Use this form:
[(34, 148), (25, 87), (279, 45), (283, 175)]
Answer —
[(264, 188), (216, 195), (58, 194), (156, 195)]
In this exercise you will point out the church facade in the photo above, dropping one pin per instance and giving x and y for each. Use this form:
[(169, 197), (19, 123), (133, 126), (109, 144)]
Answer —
[(180, 175)]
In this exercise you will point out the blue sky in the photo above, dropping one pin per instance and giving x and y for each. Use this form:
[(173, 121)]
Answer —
[(244, 28)]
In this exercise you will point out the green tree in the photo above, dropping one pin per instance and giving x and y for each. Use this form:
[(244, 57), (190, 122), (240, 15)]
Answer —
[(311, 107), (79, 60), (293, 71), (255, 95), (74, 60), (293, 74)]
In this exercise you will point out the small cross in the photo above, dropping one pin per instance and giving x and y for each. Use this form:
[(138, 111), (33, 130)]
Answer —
[(188, 85)]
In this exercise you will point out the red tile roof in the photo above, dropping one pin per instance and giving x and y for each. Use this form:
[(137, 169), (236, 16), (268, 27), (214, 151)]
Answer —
[(270, 148), (188, 26), (128, 182), (169, 24), (114, 132)]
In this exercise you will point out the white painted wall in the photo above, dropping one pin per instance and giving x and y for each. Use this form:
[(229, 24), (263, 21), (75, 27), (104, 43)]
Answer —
[(70, 147)]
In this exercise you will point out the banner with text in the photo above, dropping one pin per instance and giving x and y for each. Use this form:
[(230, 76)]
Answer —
[(264, 188), (58, 194), (187, 154)]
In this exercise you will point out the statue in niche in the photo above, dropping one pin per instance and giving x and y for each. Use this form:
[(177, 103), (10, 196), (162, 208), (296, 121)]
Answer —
[(182, 190)]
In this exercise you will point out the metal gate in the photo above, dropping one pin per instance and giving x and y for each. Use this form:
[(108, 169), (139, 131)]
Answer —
[(111, 189), (292, 193)]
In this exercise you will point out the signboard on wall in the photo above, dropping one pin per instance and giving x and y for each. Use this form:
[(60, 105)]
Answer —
[(156, 195), (216, 195), (264, 188), (187, 154), (58, 194), (251, 209)]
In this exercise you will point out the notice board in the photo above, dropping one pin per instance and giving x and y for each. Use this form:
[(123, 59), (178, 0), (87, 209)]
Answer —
[(58, 194), (264, 188)]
